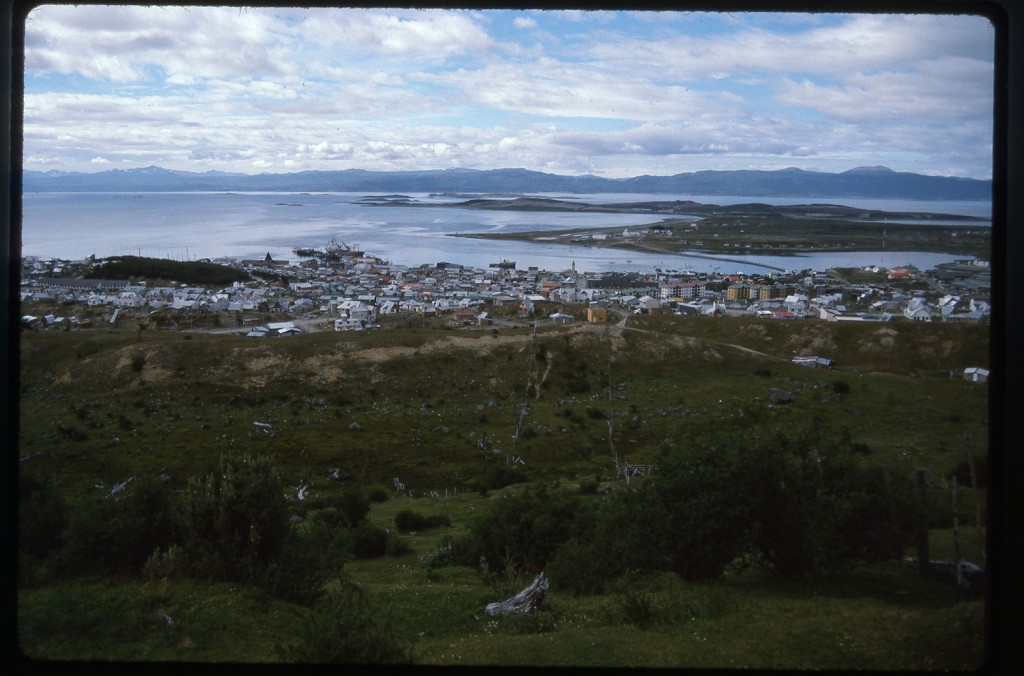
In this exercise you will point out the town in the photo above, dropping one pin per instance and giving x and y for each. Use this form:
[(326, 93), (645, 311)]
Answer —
[(362, 292)]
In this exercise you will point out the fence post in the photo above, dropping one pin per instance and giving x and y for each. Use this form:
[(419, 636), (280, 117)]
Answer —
[(922, 524)]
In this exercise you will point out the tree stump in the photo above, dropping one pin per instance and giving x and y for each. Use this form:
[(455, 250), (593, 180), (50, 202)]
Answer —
[(525, 601)]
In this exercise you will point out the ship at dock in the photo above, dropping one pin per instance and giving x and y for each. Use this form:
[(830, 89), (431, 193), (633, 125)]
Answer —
[(504, 265), (333, 251)]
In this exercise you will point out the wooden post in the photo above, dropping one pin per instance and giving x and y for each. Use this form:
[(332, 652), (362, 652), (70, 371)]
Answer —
[(922, 524), (957, 554), (977, 507)]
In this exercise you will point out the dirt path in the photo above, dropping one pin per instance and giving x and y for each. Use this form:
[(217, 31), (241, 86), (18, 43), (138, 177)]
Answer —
[(621, 325)]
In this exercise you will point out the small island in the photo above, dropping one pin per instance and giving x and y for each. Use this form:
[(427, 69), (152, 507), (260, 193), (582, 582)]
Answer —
[(690, 227)]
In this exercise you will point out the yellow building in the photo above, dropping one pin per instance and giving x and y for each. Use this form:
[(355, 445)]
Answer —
[(737, 292), (597, 314)]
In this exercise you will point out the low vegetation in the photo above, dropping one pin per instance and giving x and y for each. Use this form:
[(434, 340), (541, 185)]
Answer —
[(360, 499), (162, 270)]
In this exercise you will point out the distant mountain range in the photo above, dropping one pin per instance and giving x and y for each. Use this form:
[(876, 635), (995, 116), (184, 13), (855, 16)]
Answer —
[(861, 182)]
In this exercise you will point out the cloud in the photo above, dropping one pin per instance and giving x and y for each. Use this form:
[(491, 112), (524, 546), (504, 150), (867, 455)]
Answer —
[(123, 44), (99, 160), (608, 92), (424, 34)]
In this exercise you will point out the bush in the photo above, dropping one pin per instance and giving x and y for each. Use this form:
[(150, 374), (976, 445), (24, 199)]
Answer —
[(116, 534), (42, 515), (396, 546), (524, 531), (235, 520), (344, 629), (818, 510), (311, 557), (369, 542), (349, 509), (409, 521), (377, 494), (162, 564), (499, 476), (795, 502), (580, 567), (698, 520), (464, 551)]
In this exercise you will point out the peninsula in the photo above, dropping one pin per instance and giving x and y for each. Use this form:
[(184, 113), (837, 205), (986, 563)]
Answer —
[(684, 226)]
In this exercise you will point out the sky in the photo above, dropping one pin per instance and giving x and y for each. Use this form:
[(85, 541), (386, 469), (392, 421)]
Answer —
[(610, 93)]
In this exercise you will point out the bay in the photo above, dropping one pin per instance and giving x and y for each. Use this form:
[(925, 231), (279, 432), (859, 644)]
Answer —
[(249, 225)]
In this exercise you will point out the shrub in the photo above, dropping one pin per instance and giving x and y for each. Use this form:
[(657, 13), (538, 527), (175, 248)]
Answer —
[(795, 502), (409, 521), (817, 510), (344, 629), (498, 476), (369, 541), (377, 494), (162, 564), (396, 546), (463, 551), (579, 567), (235, 520), (524, 531), (42, 515), (311, 557), (117, 534), (841, 387), (698, 517), (356, 507)]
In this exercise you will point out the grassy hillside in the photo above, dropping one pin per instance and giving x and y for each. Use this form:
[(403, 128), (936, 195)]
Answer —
[(438, 409), (433, 406)]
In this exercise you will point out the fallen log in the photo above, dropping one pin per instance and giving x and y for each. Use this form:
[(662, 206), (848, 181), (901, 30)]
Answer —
[(525, 601)]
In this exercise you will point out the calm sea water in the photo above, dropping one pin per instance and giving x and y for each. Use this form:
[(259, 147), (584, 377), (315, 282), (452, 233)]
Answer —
[(190, 226)]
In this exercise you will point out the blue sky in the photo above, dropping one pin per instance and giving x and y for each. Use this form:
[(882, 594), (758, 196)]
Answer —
[(611, 93)]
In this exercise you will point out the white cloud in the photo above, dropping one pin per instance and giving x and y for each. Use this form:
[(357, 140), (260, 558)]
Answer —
[(99, 160), (424, 34), (206, 87)]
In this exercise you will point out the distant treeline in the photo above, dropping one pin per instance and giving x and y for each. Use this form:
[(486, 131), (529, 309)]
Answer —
[(188, 272)]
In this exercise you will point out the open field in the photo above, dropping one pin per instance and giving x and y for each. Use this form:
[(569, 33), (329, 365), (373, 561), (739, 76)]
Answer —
[(437, 409)]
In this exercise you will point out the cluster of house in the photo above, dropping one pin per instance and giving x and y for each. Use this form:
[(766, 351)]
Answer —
[(354, 293)]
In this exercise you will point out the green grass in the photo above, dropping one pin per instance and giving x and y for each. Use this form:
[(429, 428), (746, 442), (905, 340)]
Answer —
[(84, 621), (176, 402), (878, 617)]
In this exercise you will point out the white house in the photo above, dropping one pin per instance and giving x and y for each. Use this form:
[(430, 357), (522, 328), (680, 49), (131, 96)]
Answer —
[(129, 299), (795, 302), (347, 324), (917, 310), (354, 309), (560, 317), (976, 374)]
